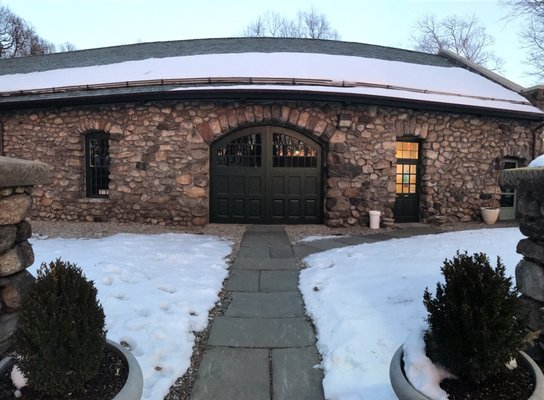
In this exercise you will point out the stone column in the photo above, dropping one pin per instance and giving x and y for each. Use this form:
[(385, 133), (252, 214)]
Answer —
[(529, 183), (17, 178)]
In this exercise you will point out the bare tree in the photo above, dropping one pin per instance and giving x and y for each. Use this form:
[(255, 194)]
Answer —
[(532, 33), (308, 24), (18, 38), (64, 47), (462, 35)]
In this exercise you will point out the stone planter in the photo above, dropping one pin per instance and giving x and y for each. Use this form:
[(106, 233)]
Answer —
[(490, 215), (405, 391), (133, 386)]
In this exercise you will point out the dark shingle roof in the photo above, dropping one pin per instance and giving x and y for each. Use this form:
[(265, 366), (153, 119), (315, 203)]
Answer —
[(140, 51)]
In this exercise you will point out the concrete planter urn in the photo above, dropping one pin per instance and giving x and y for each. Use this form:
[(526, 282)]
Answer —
[(490, 215), (405, 391), (132, 390)]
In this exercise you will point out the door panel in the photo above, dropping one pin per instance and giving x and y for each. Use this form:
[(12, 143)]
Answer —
[(266, 175)]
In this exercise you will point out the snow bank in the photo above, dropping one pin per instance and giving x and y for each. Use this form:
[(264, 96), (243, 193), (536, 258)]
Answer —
[(156, 291), (365, 300)]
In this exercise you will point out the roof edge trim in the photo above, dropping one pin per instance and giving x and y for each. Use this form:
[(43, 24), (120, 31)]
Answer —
[(246, 81)]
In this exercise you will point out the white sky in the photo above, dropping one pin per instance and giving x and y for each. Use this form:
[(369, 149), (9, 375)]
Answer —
[(99, 23)]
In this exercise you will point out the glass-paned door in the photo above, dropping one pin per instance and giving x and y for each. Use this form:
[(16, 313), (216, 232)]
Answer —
[(407, 181), (508, 195)]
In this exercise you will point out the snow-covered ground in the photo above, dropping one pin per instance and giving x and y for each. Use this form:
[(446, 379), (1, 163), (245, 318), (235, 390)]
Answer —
[(365, 300), (155, 289)]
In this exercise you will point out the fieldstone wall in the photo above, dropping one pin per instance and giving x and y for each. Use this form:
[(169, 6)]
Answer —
[(17, 178), (159, 171), (529, 183)]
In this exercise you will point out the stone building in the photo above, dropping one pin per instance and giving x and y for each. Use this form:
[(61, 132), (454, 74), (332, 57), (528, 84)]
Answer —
[(268, 130)]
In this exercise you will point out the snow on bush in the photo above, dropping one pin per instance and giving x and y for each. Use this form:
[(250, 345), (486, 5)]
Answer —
[(420, 370)]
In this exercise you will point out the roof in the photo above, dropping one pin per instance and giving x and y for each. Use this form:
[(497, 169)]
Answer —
[(258, 68)]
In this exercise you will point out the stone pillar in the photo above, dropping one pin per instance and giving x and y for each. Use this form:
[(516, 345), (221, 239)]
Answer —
[(17, 178), (529, 183)]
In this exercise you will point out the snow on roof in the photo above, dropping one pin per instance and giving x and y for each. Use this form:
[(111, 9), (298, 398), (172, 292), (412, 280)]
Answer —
[(384, 78)]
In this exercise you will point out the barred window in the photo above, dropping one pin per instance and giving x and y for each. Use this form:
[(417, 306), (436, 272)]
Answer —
[(97, 161)]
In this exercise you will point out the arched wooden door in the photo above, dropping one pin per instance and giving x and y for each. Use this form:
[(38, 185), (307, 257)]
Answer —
[(266, 175)]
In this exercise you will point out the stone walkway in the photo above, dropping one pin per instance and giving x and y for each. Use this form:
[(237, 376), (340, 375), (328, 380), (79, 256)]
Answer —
[(264, 346)]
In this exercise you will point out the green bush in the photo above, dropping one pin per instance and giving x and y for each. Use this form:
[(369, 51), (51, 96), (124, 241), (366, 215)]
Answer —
[(473, 330), (60, 334)]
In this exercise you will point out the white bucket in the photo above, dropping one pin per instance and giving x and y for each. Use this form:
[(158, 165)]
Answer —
[(374, 219)]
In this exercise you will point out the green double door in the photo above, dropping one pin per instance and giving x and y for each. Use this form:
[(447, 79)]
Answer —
[(266, 175)]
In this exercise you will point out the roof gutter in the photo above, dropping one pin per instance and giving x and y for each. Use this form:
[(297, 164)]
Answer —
[(199, 82), (95, 98)]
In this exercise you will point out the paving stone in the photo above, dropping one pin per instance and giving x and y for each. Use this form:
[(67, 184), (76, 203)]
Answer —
[(241, 280), (380, 236), (267, 229), (278, 281), (233, 374), (294, 375), (281, 252), (264, 263), (303, 250), (266, 305), (253, 252), (265, 239), (260, 332), (325, 244)]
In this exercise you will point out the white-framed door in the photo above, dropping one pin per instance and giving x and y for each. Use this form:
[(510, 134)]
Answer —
[(508, 199)]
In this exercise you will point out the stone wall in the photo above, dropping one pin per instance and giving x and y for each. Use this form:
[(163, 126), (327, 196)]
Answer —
[(159, 152), (529, 183), (17, 178)]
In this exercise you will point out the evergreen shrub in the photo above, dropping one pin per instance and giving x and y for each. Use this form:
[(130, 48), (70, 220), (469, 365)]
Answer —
[(473, 330), (60, 334)]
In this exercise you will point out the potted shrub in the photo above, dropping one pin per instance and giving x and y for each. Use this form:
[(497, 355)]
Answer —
[(473, 334), (60, 343)]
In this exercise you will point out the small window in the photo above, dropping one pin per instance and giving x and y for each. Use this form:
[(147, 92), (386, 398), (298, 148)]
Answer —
[(407, 150), (244, 151), (97, 161), (289, 152)]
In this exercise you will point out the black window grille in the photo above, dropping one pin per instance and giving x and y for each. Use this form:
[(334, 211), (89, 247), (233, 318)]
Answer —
[(288, 152), (97, 160), (244, 151)]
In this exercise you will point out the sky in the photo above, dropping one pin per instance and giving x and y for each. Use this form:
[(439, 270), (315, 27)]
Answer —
[(99, 23)]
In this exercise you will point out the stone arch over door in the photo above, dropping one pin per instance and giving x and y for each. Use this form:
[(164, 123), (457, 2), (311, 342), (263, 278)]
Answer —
[(266, 175)]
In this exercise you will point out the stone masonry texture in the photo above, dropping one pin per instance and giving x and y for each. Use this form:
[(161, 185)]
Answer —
[(529, 183), (160, 154), (16, 180)]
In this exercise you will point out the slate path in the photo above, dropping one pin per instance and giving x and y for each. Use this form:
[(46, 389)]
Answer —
[(263, 347)]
